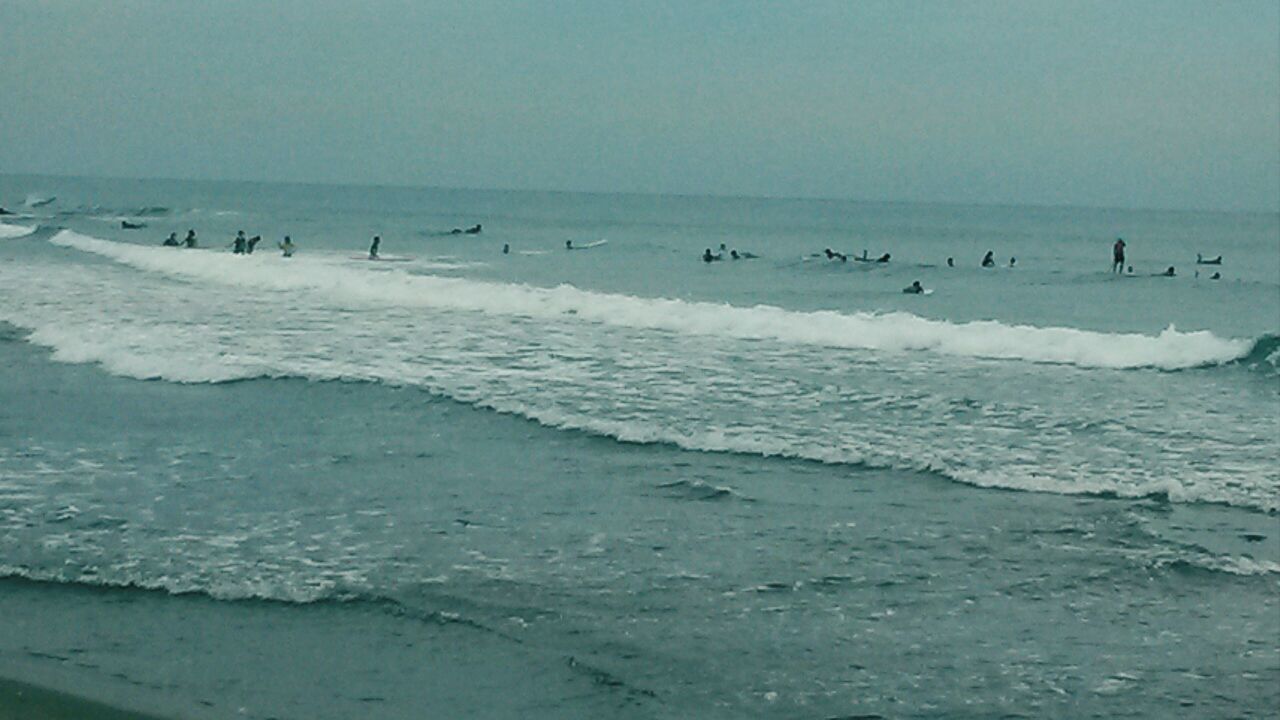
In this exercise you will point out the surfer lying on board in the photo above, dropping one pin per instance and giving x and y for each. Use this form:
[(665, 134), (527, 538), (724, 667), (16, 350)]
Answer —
[(1211, 261), (915, 288)]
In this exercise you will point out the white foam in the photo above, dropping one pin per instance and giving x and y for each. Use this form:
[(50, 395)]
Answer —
[(8, 232), (897, 332)]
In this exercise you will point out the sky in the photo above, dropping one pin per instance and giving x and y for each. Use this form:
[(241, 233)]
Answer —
[(1162, 104)]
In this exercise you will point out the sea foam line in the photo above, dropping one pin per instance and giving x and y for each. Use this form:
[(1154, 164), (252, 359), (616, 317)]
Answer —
[(897, 332)]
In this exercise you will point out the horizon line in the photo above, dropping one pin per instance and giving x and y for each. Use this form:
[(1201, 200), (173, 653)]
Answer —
[(655, 194)]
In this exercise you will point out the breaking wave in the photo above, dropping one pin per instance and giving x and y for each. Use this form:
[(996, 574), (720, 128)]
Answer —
[(894, 332)]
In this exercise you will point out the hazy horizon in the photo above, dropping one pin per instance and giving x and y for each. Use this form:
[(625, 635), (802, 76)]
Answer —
[(1144, 105)]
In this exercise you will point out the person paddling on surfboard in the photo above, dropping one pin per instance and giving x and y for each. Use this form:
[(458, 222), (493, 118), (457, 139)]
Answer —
[(373, 249)]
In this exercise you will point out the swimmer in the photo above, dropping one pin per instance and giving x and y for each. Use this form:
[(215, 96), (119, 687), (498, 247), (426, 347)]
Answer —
[(568, 244), (708, 257), (473, 230), (883, 258), (373, 249), (1167, 273), (126, 225), (915, 288), (989, 260), (190, 240), (1216, 276), (238, 245), (172, 240), (287, 246)]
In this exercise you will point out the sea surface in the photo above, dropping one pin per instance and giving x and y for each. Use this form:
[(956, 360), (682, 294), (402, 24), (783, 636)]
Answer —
[(618, 481)]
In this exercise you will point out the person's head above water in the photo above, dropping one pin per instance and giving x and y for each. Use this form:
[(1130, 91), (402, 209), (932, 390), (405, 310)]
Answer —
[(951, 262)]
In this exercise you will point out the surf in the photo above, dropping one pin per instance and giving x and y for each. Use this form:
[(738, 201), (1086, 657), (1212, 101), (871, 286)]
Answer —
[(889, 332)]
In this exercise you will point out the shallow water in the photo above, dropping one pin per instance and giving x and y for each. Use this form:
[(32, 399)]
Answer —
[(765, 488)]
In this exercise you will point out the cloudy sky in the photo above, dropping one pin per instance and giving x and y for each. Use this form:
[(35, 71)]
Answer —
[(1132, 103)]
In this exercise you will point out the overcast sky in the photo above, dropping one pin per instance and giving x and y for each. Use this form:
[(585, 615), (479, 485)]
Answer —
[(1130, 103)]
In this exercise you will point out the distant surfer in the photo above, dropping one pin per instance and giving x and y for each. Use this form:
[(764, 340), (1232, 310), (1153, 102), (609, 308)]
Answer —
[(1117, 256), (951, 262), (832, 255), (568, 244), (1216, 276), (915, 288), (190, 239), (287, 246), (708, 257), (883, 258), (1212, 261), (506, 248), (373, 249), (473, 230), (238, 245), (253, 241), (1167, 273), (172, 240), (1013, 261), (126, 225), (989, 260)]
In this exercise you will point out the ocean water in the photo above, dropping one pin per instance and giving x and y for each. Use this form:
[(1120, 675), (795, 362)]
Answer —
[(618, 481)]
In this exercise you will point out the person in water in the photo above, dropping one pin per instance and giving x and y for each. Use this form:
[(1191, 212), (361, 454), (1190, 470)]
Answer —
[(473, 230), (506, 248), (568, 244), (883, 258), (1117, 256), (989, 260), (248, 248), (915, 288), (708, 257), (287, 246), (1168, 273), (1013, 261), (373, 249), (951, 262), (1213, 261), (238, 245), (1216, 276), (126, 225), (190, 240), (172, 240)]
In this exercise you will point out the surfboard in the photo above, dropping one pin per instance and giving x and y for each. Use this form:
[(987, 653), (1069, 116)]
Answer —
[(382, 258), (589, 245)]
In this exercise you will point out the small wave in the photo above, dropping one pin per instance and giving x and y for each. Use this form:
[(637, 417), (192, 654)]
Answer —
[(892, 332), (1264, 356), (10, 232), (699, 490)]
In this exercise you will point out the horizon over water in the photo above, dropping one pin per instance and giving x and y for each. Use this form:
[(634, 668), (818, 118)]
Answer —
[(621, 481)]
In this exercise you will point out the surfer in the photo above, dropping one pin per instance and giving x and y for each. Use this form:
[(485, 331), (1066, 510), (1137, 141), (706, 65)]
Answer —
[(1216, 276), (172, 240), (568, 244), (832, 255), (915, 288), (989, 260), (883, 258), (287, 246), (1117, 256), (473, 230), (1167, 273), (248, 248), (951, 262), (1212, 261), (238, 245), (373, 249), (708, 257), (190, 240), (506, 248), (1013, 261)]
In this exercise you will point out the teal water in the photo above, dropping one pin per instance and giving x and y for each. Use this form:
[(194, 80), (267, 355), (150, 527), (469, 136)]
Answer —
[(631, 482)]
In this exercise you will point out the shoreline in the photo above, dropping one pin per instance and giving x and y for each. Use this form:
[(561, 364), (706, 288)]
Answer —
[(24, 701)]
